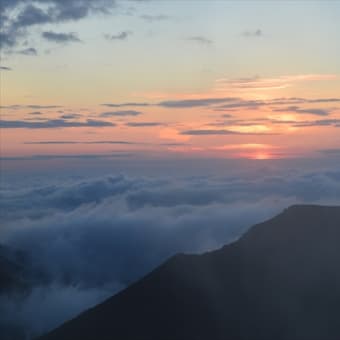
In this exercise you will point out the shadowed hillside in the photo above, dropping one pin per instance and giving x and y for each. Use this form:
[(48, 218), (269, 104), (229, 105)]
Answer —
[(280, 281)]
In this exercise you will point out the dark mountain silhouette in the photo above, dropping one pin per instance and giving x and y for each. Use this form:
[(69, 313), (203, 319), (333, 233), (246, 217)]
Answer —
[(280, 281), (13, 271), (18, 272), (18, 276), (15, 282)]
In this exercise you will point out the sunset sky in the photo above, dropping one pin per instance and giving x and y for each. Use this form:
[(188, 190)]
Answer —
[(255, 80)]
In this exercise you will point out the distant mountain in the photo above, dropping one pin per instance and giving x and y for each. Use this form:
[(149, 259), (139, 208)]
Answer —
[(280, 281), (14, 282), (13, 271), (18, 272), (18, 276)]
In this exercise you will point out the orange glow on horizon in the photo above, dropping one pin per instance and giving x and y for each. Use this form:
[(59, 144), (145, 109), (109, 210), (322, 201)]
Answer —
[(262, 155), (259, 155)]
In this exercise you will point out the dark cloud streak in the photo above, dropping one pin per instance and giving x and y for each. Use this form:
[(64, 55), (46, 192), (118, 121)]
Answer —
[(31, 51), (126, 104), (85, 142), (144, 124), (65, 156), (52, 123), (311, 111), (212, 132), (200, 39), (119, 36), (60, 38), (122, 113), (189, 103), (229, 103), (253, 34), (154, 18)]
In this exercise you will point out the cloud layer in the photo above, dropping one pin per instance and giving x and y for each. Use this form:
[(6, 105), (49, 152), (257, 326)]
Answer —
[(60, 38), (93, 236)]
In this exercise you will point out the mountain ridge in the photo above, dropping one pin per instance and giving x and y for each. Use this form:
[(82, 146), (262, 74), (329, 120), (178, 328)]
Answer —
[(280, 280)]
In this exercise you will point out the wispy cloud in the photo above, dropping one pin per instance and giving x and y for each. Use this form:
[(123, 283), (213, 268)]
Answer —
[(52, 123), (245, 146), (132, 104), (122, 113), (324, 100), (174, 103), (70, 116), (253, 34), (310, 111), (200, 39), (227, 103), (240, 103), (31, 51), (66, 156), (175, 144), (269, 83), (60, 38), (212, 132), (143, 124), (305, 123), (56, 142), (208, 132), (188, 103), (94, 142), (153, 18), (119, 36), (32, 106), (5, 68), (321, 122)]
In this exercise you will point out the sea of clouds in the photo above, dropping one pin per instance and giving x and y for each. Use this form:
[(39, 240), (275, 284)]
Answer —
[(92, 235)]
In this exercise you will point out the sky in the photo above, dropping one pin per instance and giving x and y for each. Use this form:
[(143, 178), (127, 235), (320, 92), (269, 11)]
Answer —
[(199, 79)]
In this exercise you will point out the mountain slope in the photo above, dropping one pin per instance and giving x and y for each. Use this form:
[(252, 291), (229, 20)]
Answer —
[(280, 281)]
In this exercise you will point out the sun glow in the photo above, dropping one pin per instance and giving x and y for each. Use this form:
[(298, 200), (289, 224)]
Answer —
[(250, 129), (259, 155), (262, 156)]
